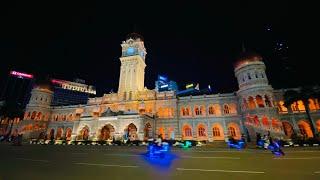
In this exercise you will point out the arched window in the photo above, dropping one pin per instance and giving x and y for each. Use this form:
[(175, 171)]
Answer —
[(294, 107), (232, 131), (33, 115), (202, 110), (187, 131), (183, 111), (187, 111), (267, 101), (252, 104), (301, 106), (259, 101), (256, 121), (226, 109), (201, 131), (265, 122), (249, 76), (256, 75), (211, 110), (216, 131), (281, 107), (197, 110), (312, 105)]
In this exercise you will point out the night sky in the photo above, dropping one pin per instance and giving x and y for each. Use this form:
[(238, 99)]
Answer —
[(189, 42)]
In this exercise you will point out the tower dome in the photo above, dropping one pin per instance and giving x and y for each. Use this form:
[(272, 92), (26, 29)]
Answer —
[(134, 36), (247, 58)]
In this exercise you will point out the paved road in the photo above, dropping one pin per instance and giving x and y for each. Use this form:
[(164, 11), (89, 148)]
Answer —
[(58, 162)]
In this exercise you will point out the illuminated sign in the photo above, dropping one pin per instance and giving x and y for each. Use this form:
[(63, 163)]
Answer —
[(74, 86), (162, 78), (189, 86), (21, 75), (164, 86)]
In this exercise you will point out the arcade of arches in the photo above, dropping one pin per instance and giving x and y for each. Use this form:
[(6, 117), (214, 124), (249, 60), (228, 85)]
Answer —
[(200, 131)]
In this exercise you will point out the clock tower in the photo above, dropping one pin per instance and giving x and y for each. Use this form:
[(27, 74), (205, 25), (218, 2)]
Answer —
[(132, 68)]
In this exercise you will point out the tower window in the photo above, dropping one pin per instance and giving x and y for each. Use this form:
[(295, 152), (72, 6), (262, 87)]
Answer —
[(249, 77), (262, 75)]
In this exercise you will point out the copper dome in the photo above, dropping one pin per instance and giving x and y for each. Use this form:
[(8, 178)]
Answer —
[(247, 57)]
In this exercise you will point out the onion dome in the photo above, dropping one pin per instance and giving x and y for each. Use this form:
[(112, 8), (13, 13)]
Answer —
[(247, 58)]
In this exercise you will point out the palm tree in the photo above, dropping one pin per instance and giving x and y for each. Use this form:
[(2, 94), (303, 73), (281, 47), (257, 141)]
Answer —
[(303, 94)]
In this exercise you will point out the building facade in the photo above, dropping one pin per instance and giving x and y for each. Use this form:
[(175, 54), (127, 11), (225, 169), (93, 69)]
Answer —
[(138, 113)]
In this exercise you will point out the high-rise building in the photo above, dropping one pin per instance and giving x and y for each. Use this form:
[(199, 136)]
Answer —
[(164, 84), (71, 93), (17, 88)]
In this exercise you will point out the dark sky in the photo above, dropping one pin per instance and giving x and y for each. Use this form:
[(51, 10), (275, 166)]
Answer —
[(189, 42)]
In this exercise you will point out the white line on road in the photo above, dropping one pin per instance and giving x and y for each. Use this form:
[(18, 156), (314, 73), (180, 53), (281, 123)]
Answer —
[(210, 157), (36, 160), (106, 165), (281, 158), (220, 170)]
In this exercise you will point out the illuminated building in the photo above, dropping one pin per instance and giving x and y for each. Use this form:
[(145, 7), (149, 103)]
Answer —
[(140, 113), (164, 84), (17, 88), (70, 93)]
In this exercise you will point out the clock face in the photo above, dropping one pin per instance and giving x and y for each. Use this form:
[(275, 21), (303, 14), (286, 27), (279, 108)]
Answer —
[(130, 50)]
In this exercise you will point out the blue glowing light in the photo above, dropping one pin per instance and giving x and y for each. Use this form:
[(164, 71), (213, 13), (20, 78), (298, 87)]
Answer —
[(186, 144), (130, 50), (159, 157), (162, 78), (236, 144)]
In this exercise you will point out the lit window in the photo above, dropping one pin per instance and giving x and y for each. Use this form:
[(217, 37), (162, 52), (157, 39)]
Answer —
[(232, 131), (201, 131), (216, 131), (226, 109)]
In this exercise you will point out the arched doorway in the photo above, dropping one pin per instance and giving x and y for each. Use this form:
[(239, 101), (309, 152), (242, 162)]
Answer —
[(217, 132), (84, 133), (68, 134), (187, 132), (132, 132), (51, 134), (288, 129), (161, 132), (147, 131), (41, 135), (234, 130), (106, 132), (305, 129), (59, 133)]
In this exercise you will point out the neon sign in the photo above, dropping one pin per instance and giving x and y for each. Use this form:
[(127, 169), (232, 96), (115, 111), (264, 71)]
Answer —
[(74, 86), (21, 75), (189, 86)]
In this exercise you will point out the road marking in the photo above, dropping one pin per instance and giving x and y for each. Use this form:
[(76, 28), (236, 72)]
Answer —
[(297, 158), (106, 165), (210, 157), (35, 160), (121, 155), (317, 172), (221, 170)]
